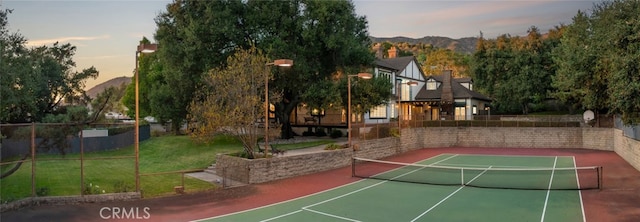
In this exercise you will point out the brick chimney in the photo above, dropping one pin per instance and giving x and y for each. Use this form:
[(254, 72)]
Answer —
[(393, 52), (447, 93), (446, 99)]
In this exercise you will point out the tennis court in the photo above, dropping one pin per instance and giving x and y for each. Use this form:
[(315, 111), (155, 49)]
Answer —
[(447, 187)]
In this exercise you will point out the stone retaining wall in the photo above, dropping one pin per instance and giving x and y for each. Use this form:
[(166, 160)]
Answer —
[(263, 170), (627, 148)]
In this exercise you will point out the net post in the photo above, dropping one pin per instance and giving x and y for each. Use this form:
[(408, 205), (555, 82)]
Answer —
[(462, 176), (600, 178), (353, 166)]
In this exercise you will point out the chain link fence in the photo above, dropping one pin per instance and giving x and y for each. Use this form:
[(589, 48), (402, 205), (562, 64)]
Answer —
[(44, 159)]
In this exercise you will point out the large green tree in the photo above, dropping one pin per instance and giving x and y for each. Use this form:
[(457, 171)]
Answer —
[(36, 81), (598, 60), (516, 71), (323, 38)]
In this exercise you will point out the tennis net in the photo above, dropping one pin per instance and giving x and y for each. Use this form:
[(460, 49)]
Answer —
[(574, 178)]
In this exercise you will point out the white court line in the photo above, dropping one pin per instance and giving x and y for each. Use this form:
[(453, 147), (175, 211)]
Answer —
[(546, 200), (584, 217), (281, 216), (359, 190), (498, 155), (331, 215), (302, 197), (450, 195)]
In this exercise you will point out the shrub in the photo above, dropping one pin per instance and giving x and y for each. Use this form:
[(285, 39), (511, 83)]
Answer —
[(395, 132), (320, 132), (335, 133), (307, 133), (89, 188), (121, 187), (42, 191), (333, 146)]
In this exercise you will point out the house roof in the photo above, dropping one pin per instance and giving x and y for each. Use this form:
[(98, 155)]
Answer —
[(399, 63), (459, 91), (385, 64)]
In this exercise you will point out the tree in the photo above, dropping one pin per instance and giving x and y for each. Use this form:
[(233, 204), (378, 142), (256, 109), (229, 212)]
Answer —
[(36, 81), (193, 37), (108, 100), (516, 71), (150, 71), (322, 37), (236, 103), (598, 60)]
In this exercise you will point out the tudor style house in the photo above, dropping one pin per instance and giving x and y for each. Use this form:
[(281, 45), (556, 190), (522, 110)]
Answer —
[(416, 96), (421, 97)]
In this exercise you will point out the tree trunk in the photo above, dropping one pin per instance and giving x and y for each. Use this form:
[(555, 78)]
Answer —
[(15, 168), (283, 111)]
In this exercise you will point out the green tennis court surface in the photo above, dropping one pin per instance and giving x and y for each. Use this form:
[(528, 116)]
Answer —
[(496, 188)]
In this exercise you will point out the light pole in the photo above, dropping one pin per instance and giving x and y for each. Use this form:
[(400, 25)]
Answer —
[(281, 63), (398, 85), (142, 48), (362, 75)]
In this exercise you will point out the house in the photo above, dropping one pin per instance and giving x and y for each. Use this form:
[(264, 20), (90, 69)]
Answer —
[(445, 97), (421, 97), (416, 96)]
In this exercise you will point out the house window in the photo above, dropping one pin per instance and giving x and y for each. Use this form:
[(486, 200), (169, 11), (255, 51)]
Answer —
[(431, 84), (474, 110), (378, 112), (384, 74)]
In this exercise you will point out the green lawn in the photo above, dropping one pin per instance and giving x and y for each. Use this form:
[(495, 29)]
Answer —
[(114, 171)]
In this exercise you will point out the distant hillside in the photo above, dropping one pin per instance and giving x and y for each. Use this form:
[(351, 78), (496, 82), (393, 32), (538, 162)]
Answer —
[(115, 82), (464, 45)]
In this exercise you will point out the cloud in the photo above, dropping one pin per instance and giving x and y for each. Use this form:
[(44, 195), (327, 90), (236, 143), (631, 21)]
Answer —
[(100, 57), (38, 42)]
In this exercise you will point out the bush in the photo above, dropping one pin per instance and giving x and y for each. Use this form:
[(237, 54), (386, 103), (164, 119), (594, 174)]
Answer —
[(320, 132), (121, 187), (333, 146), (308, 133), (335, 133), (42, 191), (90, 188)]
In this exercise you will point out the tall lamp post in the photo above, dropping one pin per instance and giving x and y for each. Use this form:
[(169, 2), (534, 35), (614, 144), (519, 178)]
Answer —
[(281, 63), (398, 86), (142, 48), (363, 75)]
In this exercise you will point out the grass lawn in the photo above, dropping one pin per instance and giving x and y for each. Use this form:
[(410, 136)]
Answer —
[(114, 171)]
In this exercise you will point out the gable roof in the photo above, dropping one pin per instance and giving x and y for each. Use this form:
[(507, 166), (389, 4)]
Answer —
[(399, 63), (459, 91), (385, 64)]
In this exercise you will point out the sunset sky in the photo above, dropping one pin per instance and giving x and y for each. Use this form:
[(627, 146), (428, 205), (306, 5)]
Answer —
[(106, 32)]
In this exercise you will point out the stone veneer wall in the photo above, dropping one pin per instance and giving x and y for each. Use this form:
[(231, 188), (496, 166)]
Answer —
[(627, 148), (268, 169), (263, 170)]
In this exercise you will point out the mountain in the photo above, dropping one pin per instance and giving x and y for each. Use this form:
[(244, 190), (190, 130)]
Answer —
[(463, 45), (115, 82)]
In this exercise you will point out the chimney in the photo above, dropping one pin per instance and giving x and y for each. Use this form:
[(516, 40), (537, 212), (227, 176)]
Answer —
[(447, 93), (446, 99), (393, 52), (379, 52)]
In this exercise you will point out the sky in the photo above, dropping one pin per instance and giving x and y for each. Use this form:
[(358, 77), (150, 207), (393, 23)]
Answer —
[(106, 33)]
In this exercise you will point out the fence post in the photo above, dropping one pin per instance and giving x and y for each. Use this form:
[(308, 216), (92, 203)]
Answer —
[(81, 162), (33, 159)]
